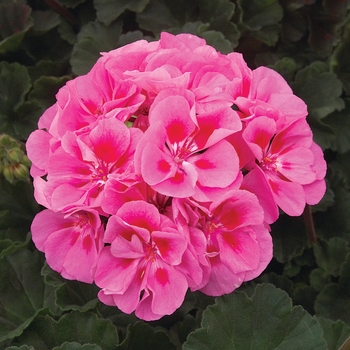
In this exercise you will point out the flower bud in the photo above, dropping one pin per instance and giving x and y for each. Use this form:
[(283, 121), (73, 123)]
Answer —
[(5, 140), (20, 172), (8, 173), (25, 160), (14, 155)]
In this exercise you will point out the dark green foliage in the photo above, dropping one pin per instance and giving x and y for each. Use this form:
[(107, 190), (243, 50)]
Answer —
[(302, 300)]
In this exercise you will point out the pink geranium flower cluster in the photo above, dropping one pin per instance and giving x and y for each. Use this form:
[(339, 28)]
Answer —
[(162, 169)]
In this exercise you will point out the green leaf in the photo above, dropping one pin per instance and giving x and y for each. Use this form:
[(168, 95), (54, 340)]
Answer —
[(14, 85), (289, 238), (334, 299), (221, 10), (109, 10), (17, 209), (74, 295), (23, 293), (143, 336), (318, 279), (93, 39), (212, 37), (45, 20), (260, 13), (265, 321), (52, 277), (331, 254), (335, 332), (157, 17), (67, 32), (340, 123), (25, 121), (320, 89), (47, 68), (130, 37), (23, 347), (287, 67), (279, 281), (180, 331), (15, 21), (336, 220), (45, 89), (261, 18), (45, 333), (339, 59), (294, 25), (77, 346), (304, 295)]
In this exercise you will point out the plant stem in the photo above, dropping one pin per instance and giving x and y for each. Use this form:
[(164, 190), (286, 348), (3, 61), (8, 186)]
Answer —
[(309, 223), (63, 11)]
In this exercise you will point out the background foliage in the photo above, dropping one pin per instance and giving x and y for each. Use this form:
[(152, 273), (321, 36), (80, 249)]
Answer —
[(302, 300)]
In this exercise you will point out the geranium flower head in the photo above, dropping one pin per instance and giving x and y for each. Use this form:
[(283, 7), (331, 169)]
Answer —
[(141, 271)]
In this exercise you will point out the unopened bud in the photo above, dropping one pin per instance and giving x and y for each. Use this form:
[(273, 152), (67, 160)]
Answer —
[(14, 155), (5, 140), (25, 160), (8, 173), (20, 172)]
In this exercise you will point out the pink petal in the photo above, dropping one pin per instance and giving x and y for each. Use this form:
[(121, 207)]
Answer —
[(171, 246), (215, 126), (140, 214), (38, 149), (315, 191), (169, 287), (241, 208), (122, 248), (264, 240), (181, 185), (45, 223), (115, 274), (175, 114), (258, 135), (222, 279), (130, 299), (110, 139), (144, 308), (256, 182), (156, 165), (218, 166), (289, 196), (295, 165), (239, 250)]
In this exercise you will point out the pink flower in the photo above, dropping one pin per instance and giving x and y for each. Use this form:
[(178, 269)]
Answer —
[(288, 159), (71, 243), (180, 149), (79, 169), (88, 98), (238, 246), (141, 271), (269, 93), (187, 155)]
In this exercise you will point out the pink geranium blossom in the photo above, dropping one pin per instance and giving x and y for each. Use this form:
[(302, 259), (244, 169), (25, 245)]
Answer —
[(288, 159), (71, 243), (162, 168), (238, 246), (178, 148), (81, 166), (141, 270), (267, 92)]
